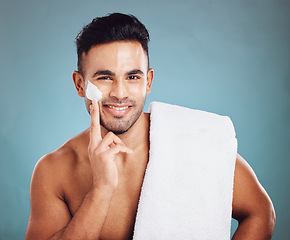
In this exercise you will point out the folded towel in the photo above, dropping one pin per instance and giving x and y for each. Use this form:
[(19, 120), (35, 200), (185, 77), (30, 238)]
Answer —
[(188, 185)]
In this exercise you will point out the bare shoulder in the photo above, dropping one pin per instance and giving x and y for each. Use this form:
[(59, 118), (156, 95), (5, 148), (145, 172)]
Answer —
[(53, 171), (249, 198), (64, 157), (50, 183)]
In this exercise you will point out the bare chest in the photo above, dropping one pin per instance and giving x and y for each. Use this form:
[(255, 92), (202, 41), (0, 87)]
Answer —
[(121, 217), (120, 221)]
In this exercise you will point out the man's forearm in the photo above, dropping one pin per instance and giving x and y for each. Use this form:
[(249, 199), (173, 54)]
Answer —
[(88, 221), (255, 228)]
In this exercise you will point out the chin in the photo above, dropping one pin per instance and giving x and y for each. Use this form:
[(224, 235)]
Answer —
[(120, 131), (119, 126), (116, 128)]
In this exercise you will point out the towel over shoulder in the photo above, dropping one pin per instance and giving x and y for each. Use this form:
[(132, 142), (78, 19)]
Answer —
[(188, 185)]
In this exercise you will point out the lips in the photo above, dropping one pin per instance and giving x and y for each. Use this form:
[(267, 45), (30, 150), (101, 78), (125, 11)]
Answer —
[(117, 110)]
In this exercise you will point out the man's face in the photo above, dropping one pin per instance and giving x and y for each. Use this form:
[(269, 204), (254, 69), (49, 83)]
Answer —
[(120, 71)]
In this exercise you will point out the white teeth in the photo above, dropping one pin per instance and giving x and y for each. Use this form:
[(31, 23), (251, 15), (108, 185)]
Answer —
[(118, 108)]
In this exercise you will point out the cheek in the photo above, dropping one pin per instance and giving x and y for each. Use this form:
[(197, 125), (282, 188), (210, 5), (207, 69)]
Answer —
[(138, 89), (105, 88)]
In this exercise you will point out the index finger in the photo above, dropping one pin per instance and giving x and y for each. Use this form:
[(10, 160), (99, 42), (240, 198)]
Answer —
[(95, 130)]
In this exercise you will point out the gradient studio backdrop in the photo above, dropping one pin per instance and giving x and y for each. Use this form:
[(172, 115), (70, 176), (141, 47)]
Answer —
[(227, 57)]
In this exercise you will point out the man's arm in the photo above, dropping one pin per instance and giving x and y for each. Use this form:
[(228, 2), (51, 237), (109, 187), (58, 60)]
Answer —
[(252, 207), (50, 217)]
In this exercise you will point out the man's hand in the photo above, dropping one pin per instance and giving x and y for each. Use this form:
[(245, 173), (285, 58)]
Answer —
[(102, 153), (50, 217)]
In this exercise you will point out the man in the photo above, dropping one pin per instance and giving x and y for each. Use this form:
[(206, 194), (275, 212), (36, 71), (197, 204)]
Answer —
[(89, 188)]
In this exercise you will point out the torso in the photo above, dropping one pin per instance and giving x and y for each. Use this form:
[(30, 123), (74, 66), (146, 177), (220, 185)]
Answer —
[(120, 220)]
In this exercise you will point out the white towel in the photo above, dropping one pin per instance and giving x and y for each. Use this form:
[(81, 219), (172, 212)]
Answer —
[(188, 185)]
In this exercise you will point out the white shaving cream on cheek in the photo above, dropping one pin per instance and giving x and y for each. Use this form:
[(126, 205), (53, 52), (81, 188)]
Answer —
[(92, 92)]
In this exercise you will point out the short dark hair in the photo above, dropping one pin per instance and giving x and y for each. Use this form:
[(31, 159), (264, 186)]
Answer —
[(111, 28)]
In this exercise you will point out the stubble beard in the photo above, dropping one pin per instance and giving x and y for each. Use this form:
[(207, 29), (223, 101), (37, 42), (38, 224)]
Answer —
[(119, 126)]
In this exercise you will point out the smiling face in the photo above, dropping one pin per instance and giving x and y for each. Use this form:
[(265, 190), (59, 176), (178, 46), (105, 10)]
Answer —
[(120, 71)]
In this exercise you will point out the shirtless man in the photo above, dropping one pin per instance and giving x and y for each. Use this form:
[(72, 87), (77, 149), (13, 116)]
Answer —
[(89, 188)]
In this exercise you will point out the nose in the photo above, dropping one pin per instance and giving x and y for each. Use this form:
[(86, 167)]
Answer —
[(119, 90)]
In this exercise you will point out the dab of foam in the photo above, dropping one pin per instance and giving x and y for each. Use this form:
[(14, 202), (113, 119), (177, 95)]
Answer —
[(92, 92)]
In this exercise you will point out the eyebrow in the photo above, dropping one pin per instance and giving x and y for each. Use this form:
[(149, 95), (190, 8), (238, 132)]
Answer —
[(104, 72), (135, 71)]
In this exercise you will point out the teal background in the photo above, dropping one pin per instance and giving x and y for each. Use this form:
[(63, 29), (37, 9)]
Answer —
[(227, 57)]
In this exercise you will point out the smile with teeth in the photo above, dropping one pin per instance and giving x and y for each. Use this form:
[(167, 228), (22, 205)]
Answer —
[(118, 108)]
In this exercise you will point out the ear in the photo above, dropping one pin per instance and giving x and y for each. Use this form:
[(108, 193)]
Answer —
[(79, 83), (150, 76)]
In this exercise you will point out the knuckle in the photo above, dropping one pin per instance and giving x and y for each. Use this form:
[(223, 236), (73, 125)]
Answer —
[(124, 148), (111, 134), (116, 147)]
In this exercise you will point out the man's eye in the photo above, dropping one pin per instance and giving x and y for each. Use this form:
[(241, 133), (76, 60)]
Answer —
[(104, 78), (133, 77)]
